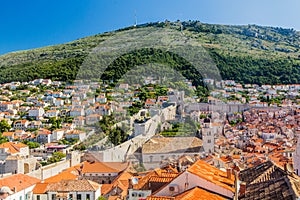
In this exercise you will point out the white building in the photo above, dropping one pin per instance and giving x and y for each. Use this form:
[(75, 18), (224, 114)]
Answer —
[(76, 134), (67, 189), (52, 113), (21, 184), (13, 148), (203, 175), (36, 112), (58, 134), (77, 112), (58, 102)]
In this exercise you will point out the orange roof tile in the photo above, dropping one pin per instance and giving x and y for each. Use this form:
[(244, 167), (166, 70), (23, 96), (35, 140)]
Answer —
[(12, 147), (8, 133), (40, 188), (73, 186), (197, 193), (97, 167), (106, 188), (18, 181), (65, 175), (212, 174), (160, 198)]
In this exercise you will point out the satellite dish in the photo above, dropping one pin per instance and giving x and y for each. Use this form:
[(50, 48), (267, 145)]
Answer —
[(290, 167), (134, 180)]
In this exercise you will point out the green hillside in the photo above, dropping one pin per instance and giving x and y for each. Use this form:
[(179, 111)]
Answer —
[(248, 54)]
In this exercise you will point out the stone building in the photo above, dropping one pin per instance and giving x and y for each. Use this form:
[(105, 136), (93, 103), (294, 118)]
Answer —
[(159, 148), (102, 173), (15, 158), (208, 136)]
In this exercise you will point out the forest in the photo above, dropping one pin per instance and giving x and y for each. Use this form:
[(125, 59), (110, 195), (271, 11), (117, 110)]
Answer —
[(247, 54)]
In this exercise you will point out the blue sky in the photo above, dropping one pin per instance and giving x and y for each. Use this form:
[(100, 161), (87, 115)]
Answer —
[(36, 23)]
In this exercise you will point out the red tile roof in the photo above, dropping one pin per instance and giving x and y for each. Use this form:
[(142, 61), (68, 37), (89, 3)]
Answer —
[(18, 181), (198, 193), (212, 174)]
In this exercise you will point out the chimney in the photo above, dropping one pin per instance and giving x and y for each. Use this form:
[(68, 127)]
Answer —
[(130, 186), (242, 188), (285, 167), (229, 172)]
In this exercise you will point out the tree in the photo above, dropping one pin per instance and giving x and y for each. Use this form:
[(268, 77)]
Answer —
[(56, 157), (102, 198), (56, 123), (4, 126), (31, 145), (117, 136)]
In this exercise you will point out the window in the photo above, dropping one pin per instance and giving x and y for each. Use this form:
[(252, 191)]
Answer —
[(53, 196), (87, 196), (78, 196), (141, 195), (134, 194), (20, 197), (38, 197), (70, 196), (151, 158), (209, 141)]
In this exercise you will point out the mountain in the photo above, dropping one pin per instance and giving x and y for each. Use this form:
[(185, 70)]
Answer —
[(247, 54)]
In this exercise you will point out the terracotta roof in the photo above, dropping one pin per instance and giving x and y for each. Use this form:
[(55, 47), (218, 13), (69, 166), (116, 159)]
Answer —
[(98, 167), (212, 174), (120, 182), (13, 147), (40, 188), (18, 181), (160, 198), (65, 175), (106, 188), (8, 133), (197, 193), (73, 186), (155, 179)]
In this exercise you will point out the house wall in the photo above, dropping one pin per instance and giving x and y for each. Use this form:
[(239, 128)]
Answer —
[(192, 181), (21, 195), (138, 194), (43, 138), (50, 170), (101, 178), (93, 195), (14, 166), (57, 135), (227, 108), (80, 136), (42, 196)]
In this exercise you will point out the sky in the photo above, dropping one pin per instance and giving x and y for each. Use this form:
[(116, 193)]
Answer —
[(37, 23)]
